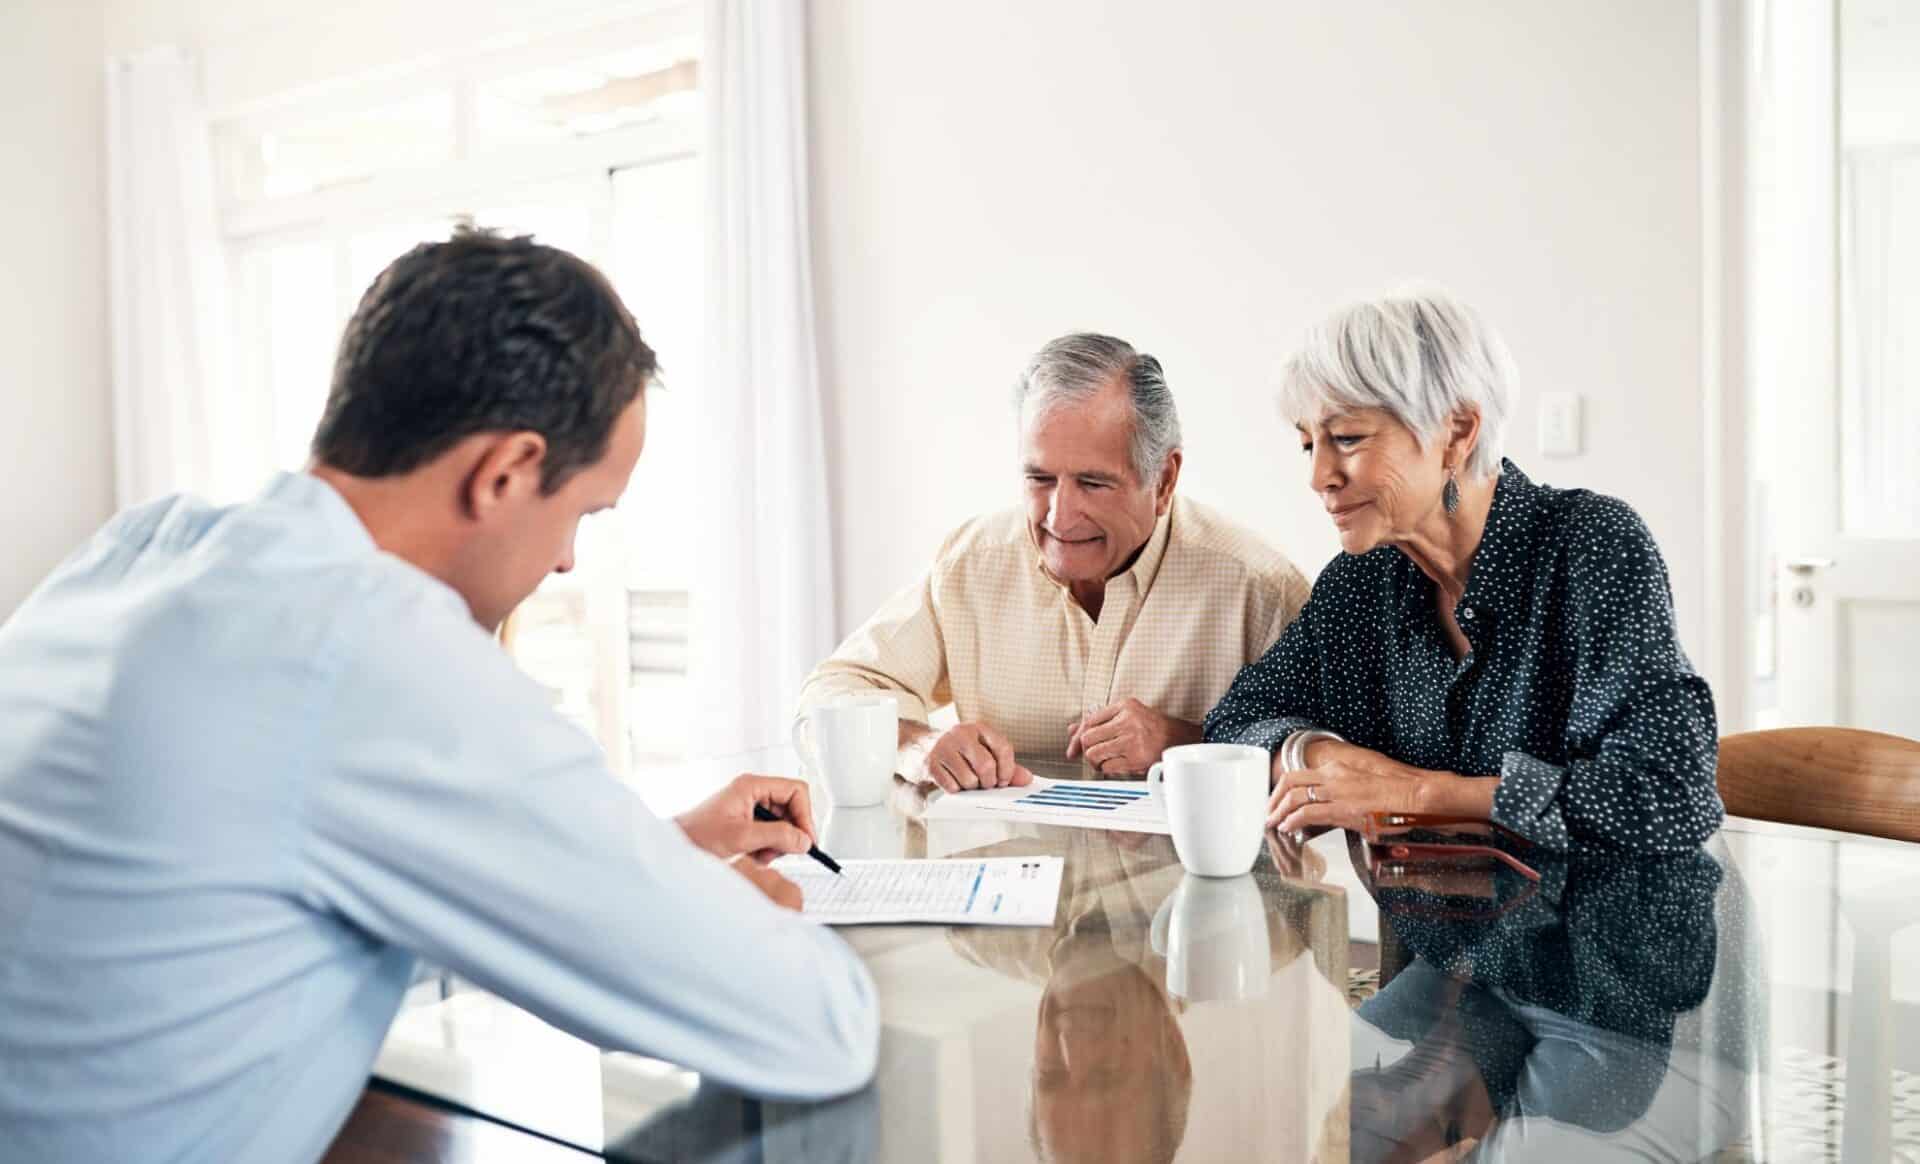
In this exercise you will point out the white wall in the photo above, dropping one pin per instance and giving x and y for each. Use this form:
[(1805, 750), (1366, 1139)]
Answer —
[(55, 442), (1206, 180), (1879, 81)]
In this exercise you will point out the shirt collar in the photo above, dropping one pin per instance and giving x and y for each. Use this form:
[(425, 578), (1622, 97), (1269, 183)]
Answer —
[(311, 495), (1506, 545), (304, 491), (1146, 565)]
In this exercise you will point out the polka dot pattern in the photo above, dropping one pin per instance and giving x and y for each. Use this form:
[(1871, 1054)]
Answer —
[(1575, 692), (1628, 946)]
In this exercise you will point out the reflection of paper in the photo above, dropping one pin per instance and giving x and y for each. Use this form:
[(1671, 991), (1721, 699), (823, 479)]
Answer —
[(1090, 804), (994, 891)]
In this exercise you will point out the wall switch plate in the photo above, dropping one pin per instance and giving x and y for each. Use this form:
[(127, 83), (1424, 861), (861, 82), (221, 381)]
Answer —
[(1560, 424)]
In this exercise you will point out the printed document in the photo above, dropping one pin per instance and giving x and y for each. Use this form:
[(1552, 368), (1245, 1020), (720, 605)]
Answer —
[(1124, 805), (992, 891)]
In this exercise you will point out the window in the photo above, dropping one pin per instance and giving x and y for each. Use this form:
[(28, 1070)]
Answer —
[(582, 147)]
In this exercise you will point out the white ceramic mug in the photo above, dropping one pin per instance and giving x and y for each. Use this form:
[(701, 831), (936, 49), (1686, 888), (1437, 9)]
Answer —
[(850, 741), (1213, 933), (1216, 801)]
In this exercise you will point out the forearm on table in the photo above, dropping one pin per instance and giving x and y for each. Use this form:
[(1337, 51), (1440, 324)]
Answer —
[(1451, 794), (917, 694), (1441, 793)]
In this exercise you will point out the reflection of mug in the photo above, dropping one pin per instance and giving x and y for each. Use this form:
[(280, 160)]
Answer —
[(853, 739), (867, 831), (1213, 933), (1216, 801)]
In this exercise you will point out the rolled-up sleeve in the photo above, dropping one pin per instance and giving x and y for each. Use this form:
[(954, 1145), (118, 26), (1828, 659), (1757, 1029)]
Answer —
[(899, 650), (1640, 738), (462, 819)]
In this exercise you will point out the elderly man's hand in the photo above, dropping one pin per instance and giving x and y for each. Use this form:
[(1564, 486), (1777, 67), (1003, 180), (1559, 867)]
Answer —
[(1125, 738), (973, 755)]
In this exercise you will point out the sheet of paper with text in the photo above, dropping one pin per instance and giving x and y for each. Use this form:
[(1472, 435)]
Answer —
[(993, 891)]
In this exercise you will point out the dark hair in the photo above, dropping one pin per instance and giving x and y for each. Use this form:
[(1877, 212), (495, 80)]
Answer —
[(481, 333)]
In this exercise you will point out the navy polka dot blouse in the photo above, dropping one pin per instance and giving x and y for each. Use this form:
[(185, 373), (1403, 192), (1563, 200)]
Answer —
[(1576, 692)]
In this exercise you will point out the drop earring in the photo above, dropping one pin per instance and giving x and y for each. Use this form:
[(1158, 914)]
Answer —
[(1450, 495)]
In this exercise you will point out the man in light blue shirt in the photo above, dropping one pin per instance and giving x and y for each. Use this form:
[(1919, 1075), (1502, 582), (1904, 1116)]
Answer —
[(256, 760)]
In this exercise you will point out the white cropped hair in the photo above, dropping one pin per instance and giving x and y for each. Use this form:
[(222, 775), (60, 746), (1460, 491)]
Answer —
[(1421, 355)]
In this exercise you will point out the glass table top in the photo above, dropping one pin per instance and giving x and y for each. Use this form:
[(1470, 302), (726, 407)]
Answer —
[(1755, 1000)]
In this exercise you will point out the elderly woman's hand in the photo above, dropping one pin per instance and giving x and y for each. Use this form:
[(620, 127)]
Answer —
[(1340, 793), (1344, 782)]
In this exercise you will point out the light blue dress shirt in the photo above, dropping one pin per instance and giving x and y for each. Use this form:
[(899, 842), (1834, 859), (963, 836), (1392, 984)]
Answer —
[(250, 767)]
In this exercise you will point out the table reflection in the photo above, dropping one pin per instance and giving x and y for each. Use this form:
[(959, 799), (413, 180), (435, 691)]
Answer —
[(719, 1126), (1687, 1008), (1115, 1035), (1608, 1015), (1214, 935), (1072, 1042), (1111, 1077)]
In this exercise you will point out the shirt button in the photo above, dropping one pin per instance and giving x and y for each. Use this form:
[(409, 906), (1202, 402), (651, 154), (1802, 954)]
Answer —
[(1466, 612)]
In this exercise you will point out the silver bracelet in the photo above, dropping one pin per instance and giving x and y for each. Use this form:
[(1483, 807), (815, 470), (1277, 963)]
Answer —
[(1293, 751)]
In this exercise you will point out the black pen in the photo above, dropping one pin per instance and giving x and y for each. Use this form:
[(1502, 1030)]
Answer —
[(762, 812)]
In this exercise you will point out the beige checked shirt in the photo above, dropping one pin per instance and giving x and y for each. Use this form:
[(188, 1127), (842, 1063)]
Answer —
[(989, 631)]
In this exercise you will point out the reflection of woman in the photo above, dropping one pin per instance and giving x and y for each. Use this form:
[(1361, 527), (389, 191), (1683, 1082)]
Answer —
[(1560, 1030), (1484, 646)]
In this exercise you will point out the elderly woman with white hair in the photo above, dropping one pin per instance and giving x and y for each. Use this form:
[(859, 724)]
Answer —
[(1484, 646)]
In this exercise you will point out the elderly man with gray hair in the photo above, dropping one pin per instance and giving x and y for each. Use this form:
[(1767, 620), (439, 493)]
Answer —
[(1097, 622)]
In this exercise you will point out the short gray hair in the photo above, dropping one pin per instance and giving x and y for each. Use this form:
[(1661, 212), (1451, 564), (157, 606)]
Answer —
[(1418, 353), (1075, 367)]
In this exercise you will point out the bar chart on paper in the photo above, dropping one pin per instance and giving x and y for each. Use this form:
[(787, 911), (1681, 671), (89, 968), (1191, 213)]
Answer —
[(1124, 805)]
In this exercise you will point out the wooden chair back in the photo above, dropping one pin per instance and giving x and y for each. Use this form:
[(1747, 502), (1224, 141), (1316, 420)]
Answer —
[(1824, 777)]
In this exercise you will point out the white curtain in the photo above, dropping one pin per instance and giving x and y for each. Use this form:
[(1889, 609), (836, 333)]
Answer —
[(167, 288), (763, 579), (1880, 353)]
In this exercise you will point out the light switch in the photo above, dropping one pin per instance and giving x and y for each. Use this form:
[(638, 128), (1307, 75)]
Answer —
[(1560, 424)]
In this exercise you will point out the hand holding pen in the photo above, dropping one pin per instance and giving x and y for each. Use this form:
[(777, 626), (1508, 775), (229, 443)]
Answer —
[(762, 813), (764, 816)]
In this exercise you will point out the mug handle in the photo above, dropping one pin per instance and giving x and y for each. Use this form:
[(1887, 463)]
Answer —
[(1157, 931), (1156, 780), (803, 751)]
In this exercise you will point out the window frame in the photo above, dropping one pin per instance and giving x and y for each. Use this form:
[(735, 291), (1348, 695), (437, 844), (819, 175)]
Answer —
[(469, 182)]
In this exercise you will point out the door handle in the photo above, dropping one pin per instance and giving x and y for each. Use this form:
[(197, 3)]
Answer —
[(1805, 566)]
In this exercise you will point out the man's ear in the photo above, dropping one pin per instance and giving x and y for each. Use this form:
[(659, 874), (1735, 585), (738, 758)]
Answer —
[(507, 470), (1163, 489), (1463, 434)]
